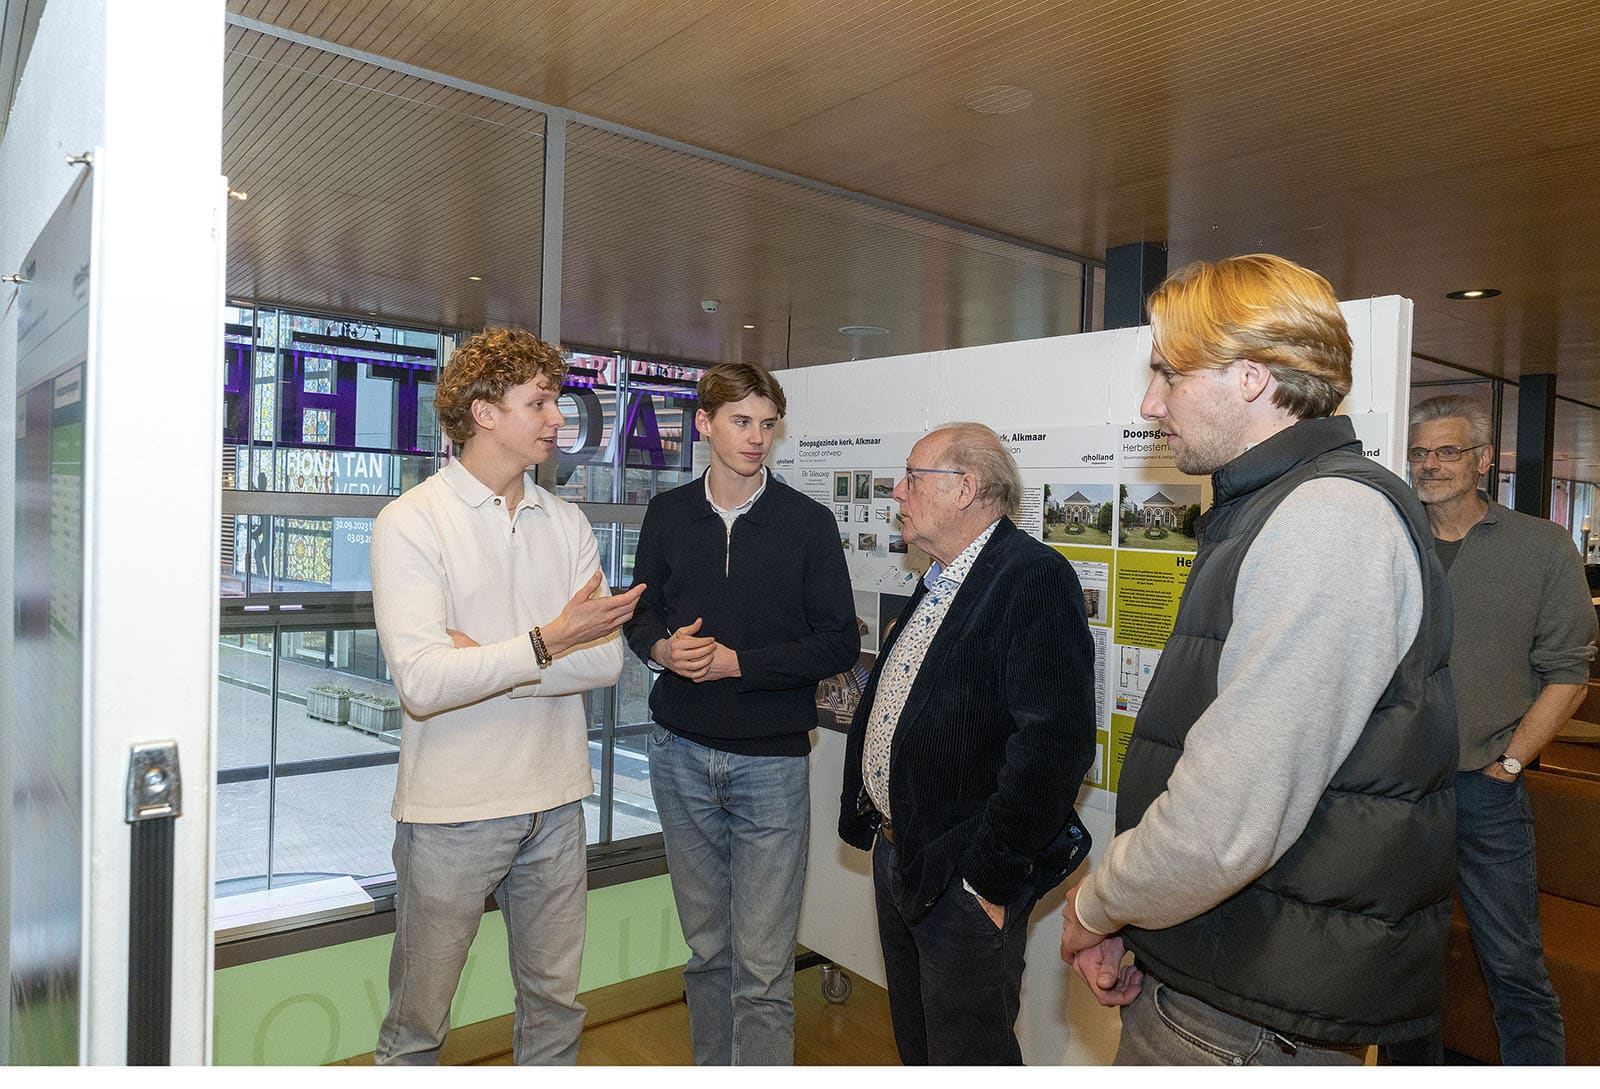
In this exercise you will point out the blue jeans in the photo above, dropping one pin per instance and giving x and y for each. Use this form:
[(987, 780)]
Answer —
[(536, 865), (736, 830), (954, 978), (1499, 888), (1164, 1027)]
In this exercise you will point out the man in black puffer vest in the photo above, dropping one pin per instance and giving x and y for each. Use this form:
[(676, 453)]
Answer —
[(1286, 816)]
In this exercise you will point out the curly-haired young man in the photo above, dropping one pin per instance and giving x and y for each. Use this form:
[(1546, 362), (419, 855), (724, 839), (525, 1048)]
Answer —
[(494, 619)]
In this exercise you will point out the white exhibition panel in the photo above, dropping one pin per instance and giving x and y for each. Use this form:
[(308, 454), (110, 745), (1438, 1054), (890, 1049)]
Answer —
[(1089, 379), (144, 95)]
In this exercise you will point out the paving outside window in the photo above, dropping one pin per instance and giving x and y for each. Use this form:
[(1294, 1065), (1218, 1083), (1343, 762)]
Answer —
[(332, 823)]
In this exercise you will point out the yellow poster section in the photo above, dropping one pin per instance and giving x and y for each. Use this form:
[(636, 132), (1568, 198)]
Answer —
[(1146, 591), (1146, 588)]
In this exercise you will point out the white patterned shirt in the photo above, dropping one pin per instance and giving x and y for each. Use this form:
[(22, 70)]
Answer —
[(905, 659)]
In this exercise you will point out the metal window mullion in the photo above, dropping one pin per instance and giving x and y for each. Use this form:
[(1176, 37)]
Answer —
[(608, 720), (619, 433), (1086, 300), (272, 752)]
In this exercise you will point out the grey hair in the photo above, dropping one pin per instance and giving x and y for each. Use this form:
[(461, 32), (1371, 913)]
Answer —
[(1455, 406), (976, 449)]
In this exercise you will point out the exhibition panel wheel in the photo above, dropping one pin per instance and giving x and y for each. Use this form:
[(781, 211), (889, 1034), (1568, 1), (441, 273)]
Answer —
[(836, 984)]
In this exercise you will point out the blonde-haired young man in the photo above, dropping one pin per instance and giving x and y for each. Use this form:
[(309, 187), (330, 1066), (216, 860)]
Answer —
[(1286, 809), (494, 619)]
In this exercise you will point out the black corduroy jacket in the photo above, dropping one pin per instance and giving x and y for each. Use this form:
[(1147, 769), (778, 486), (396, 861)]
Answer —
[(995, 737), (775, 590)]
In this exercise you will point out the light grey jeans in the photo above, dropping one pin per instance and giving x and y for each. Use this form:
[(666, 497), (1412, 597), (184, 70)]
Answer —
[(536, 866), (736, 829), (1164, 1027)]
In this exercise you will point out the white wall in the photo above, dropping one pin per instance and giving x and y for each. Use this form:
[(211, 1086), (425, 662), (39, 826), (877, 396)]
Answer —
[(145, 86), (1083, 380)]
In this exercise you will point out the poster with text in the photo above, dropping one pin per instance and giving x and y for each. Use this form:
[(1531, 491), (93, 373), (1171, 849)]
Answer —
[(853, 477)]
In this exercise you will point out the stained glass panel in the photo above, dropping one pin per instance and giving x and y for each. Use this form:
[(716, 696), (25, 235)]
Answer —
[(263, 409), (308, 550), (316, 424)]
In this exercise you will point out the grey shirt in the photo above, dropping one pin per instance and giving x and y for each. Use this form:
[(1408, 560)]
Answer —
[(1523, 619)]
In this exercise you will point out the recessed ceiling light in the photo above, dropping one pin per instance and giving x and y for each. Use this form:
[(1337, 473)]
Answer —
[(863, 330), (998, 98), (474, 278), (749, 326), (1474, 293)]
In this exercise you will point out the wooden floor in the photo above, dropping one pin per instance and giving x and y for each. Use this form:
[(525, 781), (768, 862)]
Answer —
[(855, 1033)]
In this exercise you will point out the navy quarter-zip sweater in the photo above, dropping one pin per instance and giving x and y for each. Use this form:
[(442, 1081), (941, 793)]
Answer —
[(775, 590)]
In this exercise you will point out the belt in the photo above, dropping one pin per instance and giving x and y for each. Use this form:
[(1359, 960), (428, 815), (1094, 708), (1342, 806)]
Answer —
[(886, 830)]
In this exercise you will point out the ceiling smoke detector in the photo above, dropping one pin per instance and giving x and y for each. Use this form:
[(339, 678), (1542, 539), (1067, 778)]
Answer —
[(998, 98)]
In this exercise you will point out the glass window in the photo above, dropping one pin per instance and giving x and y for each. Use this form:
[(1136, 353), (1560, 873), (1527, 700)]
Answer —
[(619, 722), (307, 741), (586, 461), (659, 429)]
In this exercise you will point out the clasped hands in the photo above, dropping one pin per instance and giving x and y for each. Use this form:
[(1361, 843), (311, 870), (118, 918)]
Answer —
[(1097, 959), (695, 657)]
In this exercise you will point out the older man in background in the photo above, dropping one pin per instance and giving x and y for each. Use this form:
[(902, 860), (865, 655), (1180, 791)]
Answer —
[(1524, 637)]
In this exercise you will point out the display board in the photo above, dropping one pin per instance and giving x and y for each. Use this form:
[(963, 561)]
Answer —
[(1100, 487), (47, 834)]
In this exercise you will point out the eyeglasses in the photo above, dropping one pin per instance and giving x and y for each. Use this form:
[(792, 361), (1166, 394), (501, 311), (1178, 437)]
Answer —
[(1444, 453), (913, 470)]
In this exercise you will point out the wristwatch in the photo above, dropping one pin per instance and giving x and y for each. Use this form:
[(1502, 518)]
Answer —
[(1510, 764), (540, 651)]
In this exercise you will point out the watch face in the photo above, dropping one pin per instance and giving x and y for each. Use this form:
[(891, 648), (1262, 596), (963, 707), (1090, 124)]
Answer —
[(1511, 764)]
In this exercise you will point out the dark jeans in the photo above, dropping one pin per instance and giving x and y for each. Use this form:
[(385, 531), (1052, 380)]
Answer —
[(955, 979), (1499, 891)]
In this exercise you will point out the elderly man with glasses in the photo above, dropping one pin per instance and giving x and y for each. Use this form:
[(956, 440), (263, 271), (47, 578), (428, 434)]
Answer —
[(984, 697), (1519, 659)]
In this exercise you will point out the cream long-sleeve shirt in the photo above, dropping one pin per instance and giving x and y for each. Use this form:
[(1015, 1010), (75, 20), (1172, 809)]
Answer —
[(1328, 600), (486, 733)]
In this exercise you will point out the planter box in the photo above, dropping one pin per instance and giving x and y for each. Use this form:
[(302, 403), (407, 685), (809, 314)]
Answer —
[(327, 706), (373, 718)]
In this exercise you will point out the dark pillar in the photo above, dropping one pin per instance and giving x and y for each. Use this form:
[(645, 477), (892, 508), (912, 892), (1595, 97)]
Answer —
[(1536, 433), (1132, 273)]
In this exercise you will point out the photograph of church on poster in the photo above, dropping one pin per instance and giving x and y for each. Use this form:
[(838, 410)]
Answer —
[(1159, 516), (1079, 513)]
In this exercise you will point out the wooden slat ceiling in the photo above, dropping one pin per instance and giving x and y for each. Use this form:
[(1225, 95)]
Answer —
[(1399, 146), (648, 232), (373, 192)]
